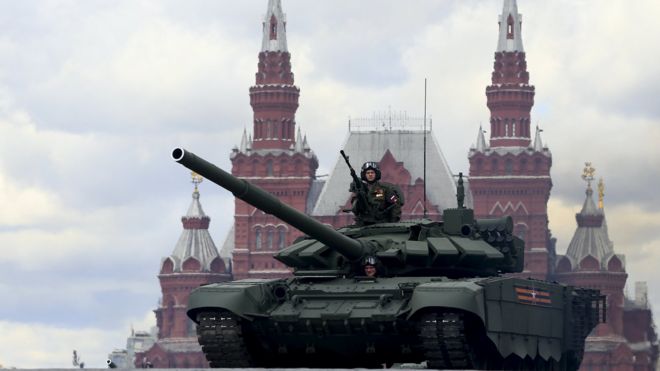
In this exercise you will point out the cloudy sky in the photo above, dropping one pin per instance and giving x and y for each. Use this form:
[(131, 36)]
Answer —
[(95, 94)]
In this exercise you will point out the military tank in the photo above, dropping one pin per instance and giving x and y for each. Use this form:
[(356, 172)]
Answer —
[(440, 297)]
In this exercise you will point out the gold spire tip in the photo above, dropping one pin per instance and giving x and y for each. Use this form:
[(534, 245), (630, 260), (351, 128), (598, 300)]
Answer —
[(588, 173), (196, 179), (601, 193)]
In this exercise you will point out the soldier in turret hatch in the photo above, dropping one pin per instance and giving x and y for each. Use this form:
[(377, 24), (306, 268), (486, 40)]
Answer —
[(369, 267), (374, 201)]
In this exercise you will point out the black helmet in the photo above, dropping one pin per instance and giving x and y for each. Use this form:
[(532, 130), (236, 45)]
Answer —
[(370, 165), (369, 260)]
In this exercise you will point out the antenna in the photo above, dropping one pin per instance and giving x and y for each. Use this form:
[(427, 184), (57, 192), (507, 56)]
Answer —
[(425, 211)]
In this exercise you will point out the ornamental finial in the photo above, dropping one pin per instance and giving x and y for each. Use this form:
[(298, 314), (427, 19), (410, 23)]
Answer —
[(601, 193), (196, 179), (588, 173)]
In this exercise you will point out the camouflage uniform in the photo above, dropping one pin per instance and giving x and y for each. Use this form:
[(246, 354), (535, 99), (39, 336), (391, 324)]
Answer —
[(382, 203)]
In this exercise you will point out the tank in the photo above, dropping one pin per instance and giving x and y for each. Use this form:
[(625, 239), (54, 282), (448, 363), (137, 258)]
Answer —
[(440, 296)]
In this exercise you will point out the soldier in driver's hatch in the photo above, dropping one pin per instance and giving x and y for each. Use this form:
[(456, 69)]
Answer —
[(374, 201), (369, 267)]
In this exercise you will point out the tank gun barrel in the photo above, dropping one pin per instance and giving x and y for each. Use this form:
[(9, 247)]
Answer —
[(350, 248)]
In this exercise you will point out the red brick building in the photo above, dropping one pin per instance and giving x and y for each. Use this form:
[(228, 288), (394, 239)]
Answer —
[(194, 262), (275, 159), (628, 340)]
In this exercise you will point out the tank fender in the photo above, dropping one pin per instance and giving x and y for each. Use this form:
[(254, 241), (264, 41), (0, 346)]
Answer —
[(467, 296), (243, 298)]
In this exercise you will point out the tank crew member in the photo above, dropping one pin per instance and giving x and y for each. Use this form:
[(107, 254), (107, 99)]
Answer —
[(369, 266), (374, 201)]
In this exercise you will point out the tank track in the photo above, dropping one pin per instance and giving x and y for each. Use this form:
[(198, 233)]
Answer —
[(221, 337), (444, 341)]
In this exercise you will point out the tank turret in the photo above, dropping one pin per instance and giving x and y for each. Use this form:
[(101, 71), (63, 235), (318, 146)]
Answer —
[(461, 246)]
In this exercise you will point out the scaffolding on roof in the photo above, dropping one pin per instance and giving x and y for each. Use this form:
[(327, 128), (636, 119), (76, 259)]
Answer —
[(389, 121)]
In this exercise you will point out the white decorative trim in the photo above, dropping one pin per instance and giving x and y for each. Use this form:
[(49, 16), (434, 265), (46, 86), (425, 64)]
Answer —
[(508, 205), (511, 177), (270, 271), (505, 137), (274, 226)]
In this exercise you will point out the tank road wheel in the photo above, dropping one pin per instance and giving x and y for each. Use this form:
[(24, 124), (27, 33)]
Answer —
[(445, 343), (221, 337)]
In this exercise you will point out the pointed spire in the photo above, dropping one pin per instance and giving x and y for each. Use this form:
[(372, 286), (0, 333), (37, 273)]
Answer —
[(601, 193), (274, 28), (306, 147), (481, 141), (299, 142), (510, 38), (195, 240), (589, 207), (538, 144), (195, 209), (591, 236), (249, 143), (243, 147)]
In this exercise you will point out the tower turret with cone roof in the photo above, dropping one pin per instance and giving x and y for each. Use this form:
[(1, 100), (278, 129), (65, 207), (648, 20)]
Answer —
[(591, 261), (193, 262), (510, 97), (274, 97), (510, 174), (273, 157)]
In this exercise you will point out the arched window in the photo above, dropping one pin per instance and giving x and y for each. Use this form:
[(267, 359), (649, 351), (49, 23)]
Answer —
[(254, 167), (191, 329), (281, 237), (257, 238), (269, 167), (537, 164), (508, 166), (273, 28), (269, 238), (513, 128)]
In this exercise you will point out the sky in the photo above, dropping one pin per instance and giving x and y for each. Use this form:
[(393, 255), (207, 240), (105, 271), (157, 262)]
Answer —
[(95, 94)]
